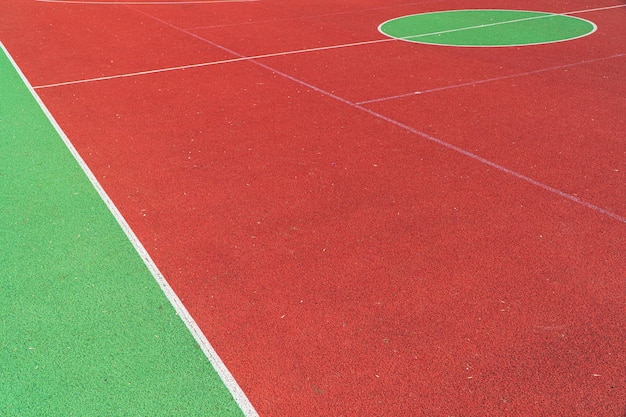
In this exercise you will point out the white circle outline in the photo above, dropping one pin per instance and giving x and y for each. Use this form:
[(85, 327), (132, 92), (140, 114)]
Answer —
[(544, 14)]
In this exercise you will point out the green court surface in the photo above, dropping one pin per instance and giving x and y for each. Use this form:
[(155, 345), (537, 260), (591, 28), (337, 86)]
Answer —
[(85, 328), (487, 28)]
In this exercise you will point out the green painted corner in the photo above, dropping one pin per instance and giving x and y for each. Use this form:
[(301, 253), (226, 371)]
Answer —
[(85, 330)]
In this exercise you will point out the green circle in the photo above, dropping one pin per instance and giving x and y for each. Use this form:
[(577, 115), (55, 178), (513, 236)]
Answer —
[(487, 28)]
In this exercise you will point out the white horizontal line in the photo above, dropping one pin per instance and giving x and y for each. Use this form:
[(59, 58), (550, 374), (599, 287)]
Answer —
[(206, 64)]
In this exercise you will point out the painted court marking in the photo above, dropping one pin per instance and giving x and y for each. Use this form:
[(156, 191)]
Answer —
[(359, 106), (210, 63), (488, 80), (143, 253), (225, 375), (253, 57), (493, 28), (425, 135)]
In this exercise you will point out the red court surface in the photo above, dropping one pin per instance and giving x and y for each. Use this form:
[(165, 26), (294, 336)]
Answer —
[(348, 247)]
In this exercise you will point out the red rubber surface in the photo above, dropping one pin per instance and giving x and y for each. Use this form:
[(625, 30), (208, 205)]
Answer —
[(341, 264)]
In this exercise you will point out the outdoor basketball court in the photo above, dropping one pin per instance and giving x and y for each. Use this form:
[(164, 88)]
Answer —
[(330, 208)]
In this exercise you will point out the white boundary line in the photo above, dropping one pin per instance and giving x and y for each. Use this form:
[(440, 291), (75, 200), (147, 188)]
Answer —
[(140, 3), (219, 366)]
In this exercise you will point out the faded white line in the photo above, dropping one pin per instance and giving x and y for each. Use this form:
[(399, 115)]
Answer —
[(488, 80), (290, 19)]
